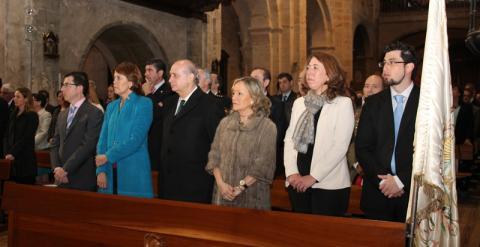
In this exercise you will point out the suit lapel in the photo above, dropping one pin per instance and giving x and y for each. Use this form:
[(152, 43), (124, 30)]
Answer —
[(191, 103), (78, 115), (410, 111), (388, 112)]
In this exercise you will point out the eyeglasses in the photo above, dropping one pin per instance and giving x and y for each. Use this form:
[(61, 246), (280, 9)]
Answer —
[(389, 63), (68, 84)]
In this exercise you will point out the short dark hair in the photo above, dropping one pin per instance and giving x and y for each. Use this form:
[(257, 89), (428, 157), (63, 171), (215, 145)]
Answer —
[(159, 64), (133, 74), (285, 75), (80, 78), (45, 93), (266, 73), (40, 97), (407, 53)]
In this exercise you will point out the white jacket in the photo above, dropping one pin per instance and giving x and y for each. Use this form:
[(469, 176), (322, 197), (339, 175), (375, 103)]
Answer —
[(41, 136), (333, 135)]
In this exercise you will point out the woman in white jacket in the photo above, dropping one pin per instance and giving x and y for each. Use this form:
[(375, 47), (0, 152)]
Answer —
[(44, 119), (317, 140)]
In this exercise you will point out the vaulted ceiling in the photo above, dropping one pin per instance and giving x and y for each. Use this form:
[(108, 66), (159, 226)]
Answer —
[(185, 8)]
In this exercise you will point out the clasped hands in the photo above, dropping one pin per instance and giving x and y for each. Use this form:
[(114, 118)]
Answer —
[(229, 192), (60, 175), (389, 187), (301, 183)]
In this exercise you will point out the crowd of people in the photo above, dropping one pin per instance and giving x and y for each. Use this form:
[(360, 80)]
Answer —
[(210, 148)]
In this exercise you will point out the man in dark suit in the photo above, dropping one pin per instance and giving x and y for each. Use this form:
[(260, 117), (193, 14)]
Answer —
[(277, 113), (384, 142), (76, 135), (4, 115), (287, 97), (205, 84), (7, 94), (160, 90), (189, 125)]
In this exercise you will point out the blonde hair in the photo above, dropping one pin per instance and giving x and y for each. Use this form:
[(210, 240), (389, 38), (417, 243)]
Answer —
[(92, 94), (261, 103)]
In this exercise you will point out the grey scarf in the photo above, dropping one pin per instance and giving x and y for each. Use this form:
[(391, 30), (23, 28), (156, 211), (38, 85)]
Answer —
[(305, 129)]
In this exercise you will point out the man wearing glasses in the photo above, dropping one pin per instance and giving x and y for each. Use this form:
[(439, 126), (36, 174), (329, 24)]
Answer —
[(384, 142), (76, 135)]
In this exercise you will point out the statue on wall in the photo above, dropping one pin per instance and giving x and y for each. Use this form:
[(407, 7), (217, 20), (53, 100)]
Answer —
[(50, 44)]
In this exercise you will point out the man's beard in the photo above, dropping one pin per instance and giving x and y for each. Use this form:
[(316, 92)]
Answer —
[(393, 82)]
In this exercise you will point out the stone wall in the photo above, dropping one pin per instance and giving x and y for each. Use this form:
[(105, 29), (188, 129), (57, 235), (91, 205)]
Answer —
[(78, 24)]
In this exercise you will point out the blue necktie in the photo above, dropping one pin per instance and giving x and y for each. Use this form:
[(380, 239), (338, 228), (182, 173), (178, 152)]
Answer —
[(397, 118), (71, 115)]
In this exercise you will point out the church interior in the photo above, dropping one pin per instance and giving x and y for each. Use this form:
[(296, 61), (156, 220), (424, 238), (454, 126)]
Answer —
[(43, 40)]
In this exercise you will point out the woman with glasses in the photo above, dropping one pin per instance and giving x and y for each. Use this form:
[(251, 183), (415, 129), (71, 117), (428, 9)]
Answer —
[(20, 138), (123, 164), (317, 140)]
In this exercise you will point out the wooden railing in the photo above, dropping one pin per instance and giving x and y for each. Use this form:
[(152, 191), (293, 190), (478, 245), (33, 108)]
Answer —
[(42, 216)]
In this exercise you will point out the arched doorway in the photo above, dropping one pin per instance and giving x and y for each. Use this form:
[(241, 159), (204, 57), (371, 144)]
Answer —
[(319, 29), (360, 53), (464, 66), (114, 44), (232, 58)]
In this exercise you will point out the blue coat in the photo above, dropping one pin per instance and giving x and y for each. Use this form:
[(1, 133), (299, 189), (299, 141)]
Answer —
[(123, 140)]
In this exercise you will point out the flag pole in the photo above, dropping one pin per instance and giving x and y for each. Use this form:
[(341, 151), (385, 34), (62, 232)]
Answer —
[(410, 231)]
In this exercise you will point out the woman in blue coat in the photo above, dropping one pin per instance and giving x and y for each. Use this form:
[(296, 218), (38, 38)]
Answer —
[(123, 165)]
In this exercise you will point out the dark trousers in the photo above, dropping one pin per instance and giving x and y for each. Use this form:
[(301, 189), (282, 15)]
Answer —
[(396, 210), (320, 201), (24, 180)]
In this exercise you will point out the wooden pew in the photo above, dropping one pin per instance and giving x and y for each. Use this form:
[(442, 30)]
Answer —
[(5, 168), (42, 216), (43, 159)]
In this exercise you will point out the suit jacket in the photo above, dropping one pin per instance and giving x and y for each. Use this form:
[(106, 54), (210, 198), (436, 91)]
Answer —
[(4, 116), (73, 148), (186, 142), (224, 101), (464, 125), (333, 135), (155, 133), (277, 115), (287, 106), (123, 140), (374, 145), (20, 142)]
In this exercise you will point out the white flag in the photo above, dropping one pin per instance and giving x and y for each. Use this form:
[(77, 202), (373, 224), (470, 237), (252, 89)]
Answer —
[(434, 156)]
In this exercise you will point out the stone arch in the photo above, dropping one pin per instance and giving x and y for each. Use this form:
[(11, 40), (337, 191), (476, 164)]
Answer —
[(233, 47), (115, 43), (319, 27), (259, 34), (464, 66), (361, 53)]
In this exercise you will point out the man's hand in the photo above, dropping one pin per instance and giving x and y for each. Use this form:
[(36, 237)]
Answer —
[(359, 170), (9, 157), (60, 175), (388, 186)]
